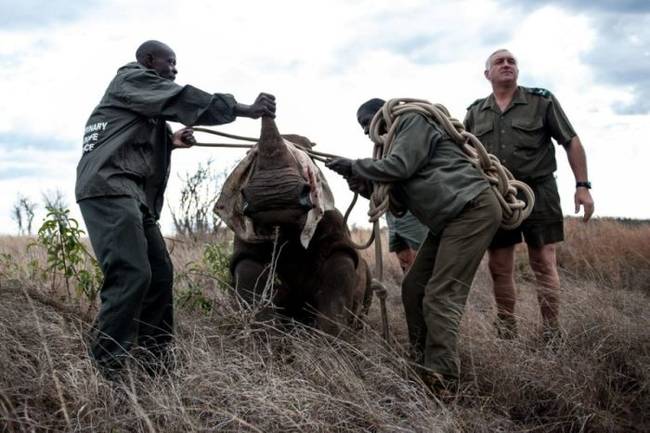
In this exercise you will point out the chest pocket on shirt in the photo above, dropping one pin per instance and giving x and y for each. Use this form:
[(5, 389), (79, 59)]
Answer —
[(528, 132), (482, 131), (483, 128)]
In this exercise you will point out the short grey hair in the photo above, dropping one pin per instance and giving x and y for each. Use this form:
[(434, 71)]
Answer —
[(487, 61)]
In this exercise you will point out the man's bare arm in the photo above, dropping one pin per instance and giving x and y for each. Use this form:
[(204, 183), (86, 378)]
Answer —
[(578, 162)]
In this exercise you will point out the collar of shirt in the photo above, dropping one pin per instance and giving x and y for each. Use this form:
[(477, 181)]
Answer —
[(518, 98)]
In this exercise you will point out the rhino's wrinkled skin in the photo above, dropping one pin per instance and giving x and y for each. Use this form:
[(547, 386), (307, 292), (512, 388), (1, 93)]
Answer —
[(326, 284), (322, 279)]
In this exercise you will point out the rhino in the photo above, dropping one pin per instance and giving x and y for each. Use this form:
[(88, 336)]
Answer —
[(276, 199)]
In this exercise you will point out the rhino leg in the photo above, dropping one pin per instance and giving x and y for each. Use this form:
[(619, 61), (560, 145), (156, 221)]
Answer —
[(249, 279), (335, 295), (362, 295)]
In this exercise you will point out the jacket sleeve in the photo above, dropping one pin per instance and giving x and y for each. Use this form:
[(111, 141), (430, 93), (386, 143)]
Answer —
[(412, 148), (150, 95)]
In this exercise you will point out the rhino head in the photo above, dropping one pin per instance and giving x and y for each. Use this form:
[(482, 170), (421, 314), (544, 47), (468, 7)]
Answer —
[(276, 193)]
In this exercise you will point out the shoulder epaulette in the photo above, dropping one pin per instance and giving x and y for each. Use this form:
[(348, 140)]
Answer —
[(478, 101), (538, 91)]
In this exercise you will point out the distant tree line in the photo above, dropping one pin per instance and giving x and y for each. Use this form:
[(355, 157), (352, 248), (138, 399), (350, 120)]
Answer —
[(24, 209), (629, 222), (191, 213)]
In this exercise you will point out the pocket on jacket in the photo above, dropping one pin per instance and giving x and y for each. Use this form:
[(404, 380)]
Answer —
[(136, 159), (482, 132), (528, 133), (483, 128)]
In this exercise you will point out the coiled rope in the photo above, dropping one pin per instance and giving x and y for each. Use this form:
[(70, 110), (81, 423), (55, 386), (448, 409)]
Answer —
[(501, 180)]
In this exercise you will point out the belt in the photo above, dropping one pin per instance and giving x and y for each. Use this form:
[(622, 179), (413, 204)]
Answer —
[(537, 180)]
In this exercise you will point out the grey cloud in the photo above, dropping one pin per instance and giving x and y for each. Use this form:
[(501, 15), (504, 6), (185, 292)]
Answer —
[(622, 57), (8, 172), (28, 14), (421, 41), (16, 141), (616, 6), (437, 47), (621, 53)]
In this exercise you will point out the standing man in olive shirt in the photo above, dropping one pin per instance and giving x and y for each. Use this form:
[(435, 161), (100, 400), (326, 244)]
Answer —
[(121, 181), (438, 184), (516, 124)]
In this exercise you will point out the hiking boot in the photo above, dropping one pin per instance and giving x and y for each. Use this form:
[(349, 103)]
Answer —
[(443, 388), (553, 336), (506, 327)]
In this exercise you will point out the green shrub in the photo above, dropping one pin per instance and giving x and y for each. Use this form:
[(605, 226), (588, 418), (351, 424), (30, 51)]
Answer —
[(60, 235), (216, 259), (212, 270)]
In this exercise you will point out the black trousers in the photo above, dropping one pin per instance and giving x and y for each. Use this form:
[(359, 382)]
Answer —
[(136, 295)]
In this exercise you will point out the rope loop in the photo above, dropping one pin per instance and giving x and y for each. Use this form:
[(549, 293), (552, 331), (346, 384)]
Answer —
[(505, 186)]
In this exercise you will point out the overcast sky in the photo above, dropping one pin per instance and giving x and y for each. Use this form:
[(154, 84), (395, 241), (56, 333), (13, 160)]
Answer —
[(321, 60)]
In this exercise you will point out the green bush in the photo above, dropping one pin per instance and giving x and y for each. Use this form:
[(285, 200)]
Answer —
[(216, 259), (60, 235), (212, 270)]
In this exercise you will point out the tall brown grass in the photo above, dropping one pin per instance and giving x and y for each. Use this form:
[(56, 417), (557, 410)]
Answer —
[(233, 376), (609, 252)]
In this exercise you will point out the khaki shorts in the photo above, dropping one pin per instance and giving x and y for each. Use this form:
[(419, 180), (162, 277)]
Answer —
[(545, 225)]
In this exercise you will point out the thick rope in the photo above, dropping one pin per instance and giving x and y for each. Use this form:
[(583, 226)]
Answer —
[(318, 156), (504, 185)]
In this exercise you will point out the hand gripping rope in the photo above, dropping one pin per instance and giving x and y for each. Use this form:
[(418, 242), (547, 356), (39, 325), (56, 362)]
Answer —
[(318, 156)]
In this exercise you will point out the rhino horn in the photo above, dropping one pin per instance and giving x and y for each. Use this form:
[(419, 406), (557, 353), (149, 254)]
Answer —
[(273, 153)]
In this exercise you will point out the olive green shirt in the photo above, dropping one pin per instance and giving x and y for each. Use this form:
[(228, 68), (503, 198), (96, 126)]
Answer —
[(520, 136), (430, 174)]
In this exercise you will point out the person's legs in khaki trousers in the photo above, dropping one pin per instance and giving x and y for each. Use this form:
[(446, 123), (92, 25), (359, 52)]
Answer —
[(440, 280)]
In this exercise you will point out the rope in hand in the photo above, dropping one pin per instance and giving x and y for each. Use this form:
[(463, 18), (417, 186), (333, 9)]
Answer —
[(501, 180), (318, 156)]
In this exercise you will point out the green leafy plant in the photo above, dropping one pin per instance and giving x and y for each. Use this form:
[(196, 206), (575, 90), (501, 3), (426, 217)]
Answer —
[(193, 298), (216, 258), (61, 236), (213, 266)]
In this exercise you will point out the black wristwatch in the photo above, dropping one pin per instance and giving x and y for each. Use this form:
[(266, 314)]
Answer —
[(584, 184)]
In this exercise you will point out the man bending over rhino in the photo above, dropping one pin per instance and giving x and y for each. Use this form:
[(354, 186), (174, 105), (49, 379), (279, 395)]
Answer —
[(434, 180)]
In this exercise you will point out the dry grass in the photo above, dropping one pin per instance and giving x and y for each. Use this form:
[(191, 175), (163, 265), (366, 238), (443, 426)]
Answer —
[(233, 377), (608, 252)]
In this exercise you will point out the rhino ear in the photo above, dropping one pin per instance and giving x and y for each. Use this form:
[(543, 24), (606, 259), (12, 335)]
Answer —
[(299, 140)]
